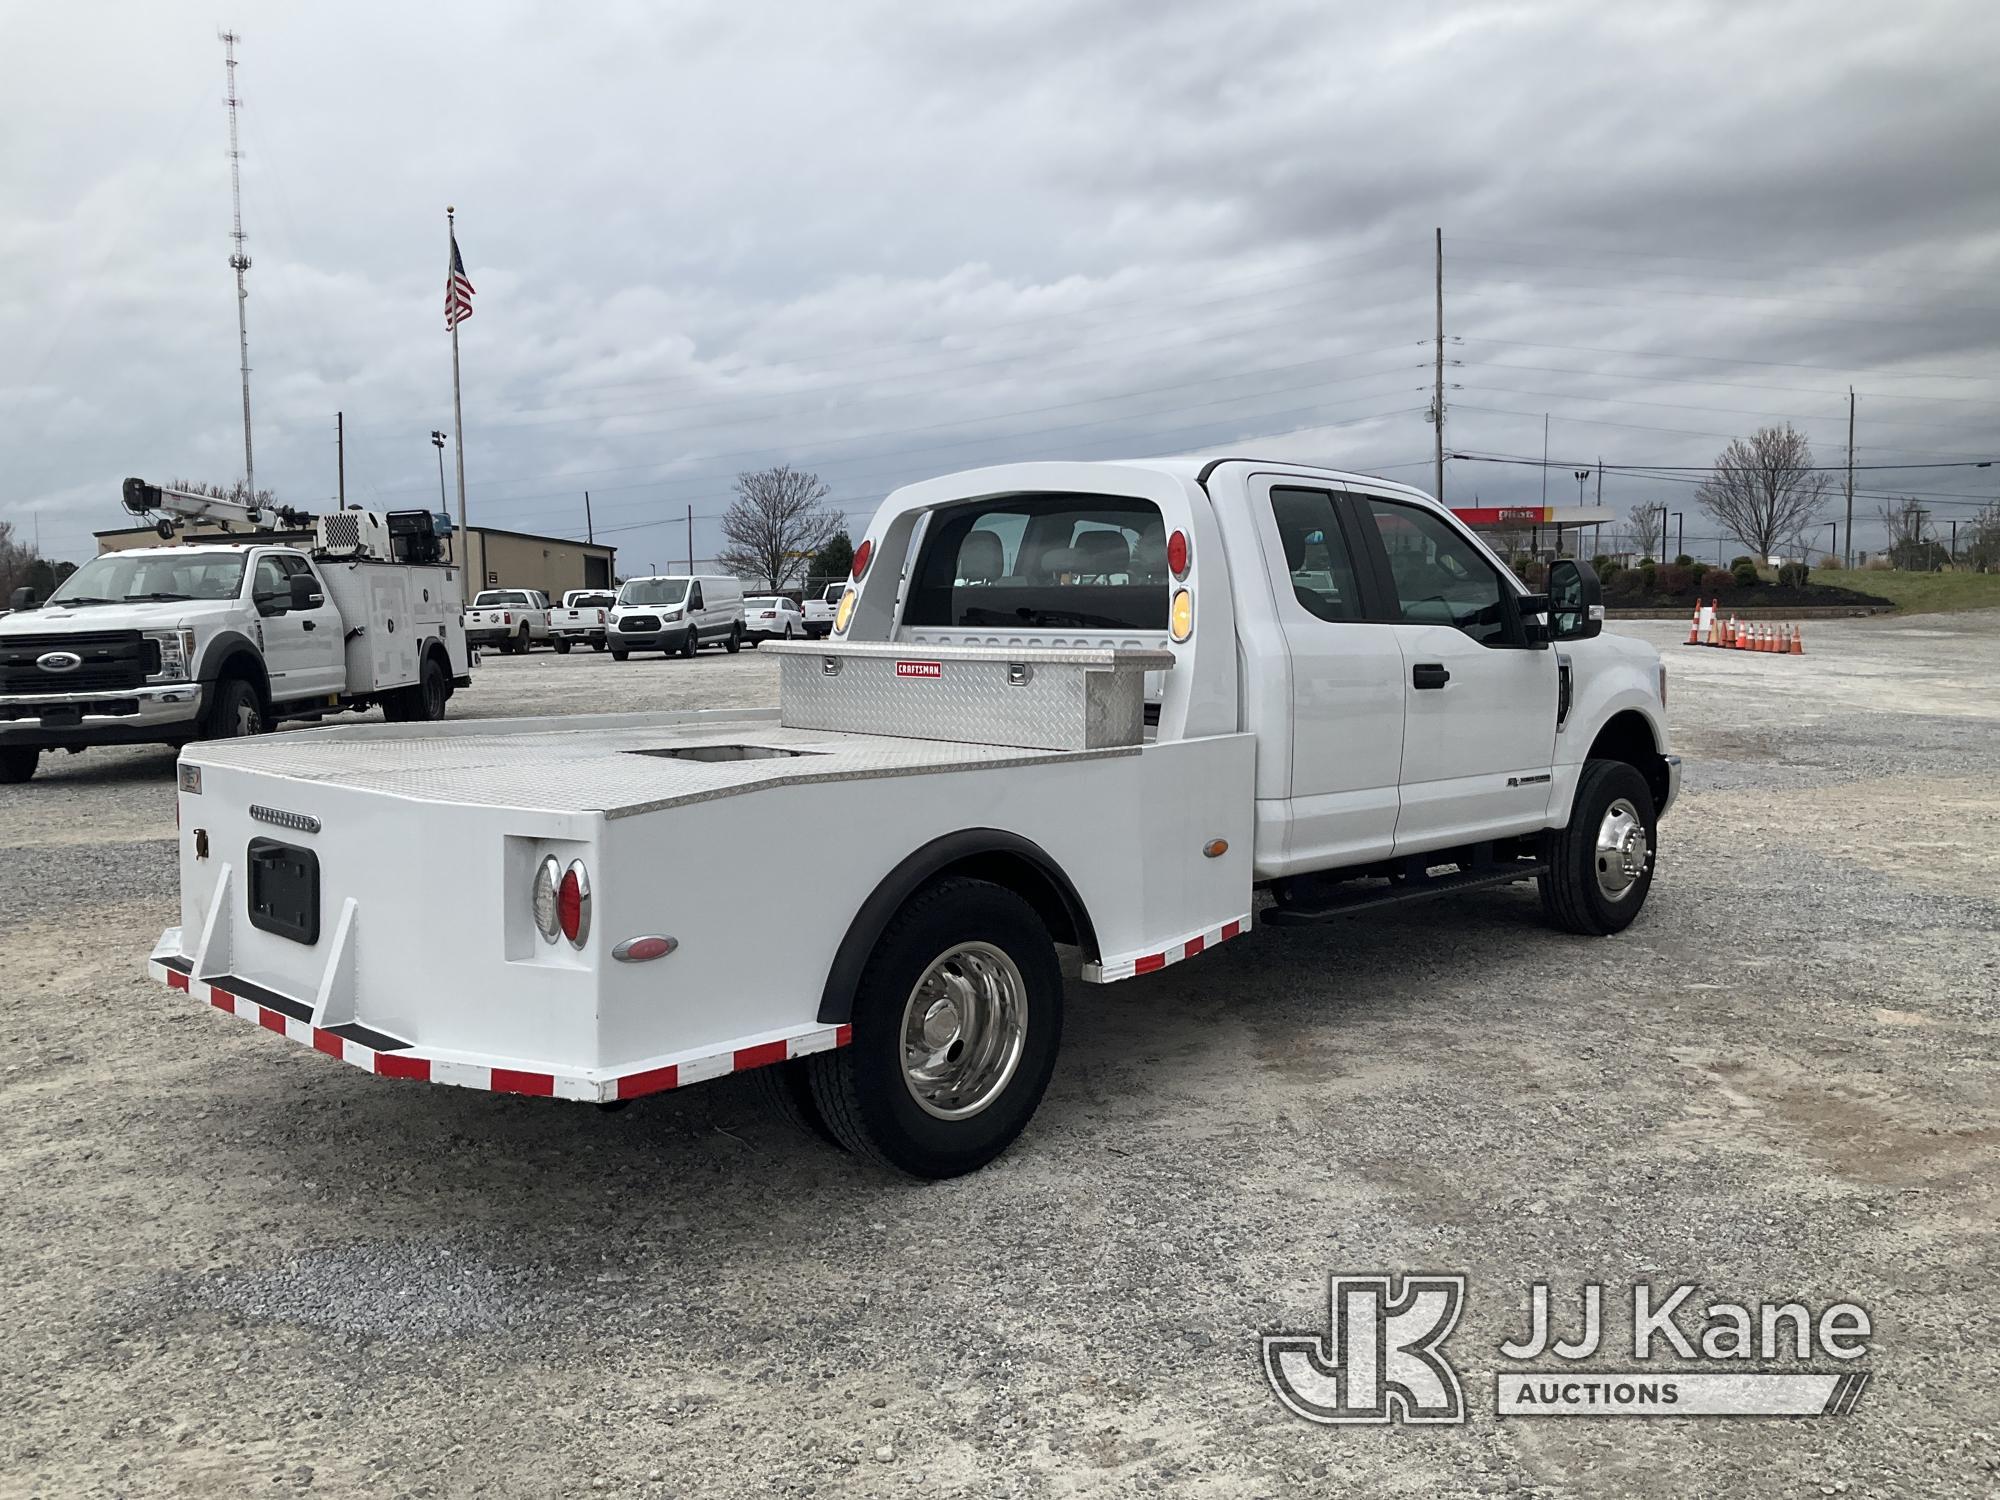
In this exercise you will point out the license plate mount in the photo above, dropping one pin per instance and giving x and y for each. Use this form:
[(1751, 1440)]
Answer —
[(283, 890)]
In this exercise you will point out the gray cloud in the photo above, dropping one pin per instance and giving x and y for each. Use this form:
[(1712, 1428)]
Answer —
[(885, 241)]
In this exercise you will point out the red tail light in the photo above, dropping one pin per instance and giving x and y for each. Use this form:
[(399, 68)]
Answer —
[(861, 556), (508, 618), (1177, 553), (573, 904)]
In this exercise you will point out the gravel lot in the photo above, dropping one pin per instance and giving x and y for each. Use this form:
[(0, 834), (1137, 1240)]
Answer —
[(234, 1266)]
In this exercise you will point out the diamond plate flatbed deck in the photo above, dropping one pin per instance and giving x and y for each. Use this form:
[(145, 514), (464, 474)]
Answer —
[(600, 767)]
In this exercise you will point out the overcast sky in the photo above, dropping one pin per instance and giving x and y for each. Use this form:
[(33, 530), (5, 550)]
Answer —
[(883, 241)]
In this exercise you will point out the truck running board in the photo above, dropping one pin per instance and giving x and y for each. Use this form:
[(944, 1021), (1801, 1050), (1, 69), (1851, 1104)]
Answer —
[(1343, 901)]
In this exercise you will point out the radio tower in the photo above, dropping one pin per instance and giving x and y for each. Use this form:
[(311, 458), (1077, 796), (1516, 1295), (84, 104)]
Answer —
[(240, 263)]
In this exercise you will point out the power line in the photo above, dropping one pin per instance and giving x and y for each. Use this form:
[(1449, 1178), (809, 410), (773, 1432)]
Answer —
[(1776, 364)]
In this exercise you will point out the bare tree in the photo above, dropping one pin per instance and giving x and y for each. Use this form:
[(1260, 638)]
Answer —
[(16, 560), (1649, 528), (1982, 545), (1910, 548), (777, 521), (1764, 491)]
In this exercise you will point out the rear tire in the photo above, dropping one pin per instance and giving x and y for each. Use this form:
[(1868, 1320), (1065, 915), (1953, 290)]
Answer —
[(786, 1089), (17, 764), (597, 645), (956, 1023), (1601, 862), (561, 644), (735, 642), (236, 712)]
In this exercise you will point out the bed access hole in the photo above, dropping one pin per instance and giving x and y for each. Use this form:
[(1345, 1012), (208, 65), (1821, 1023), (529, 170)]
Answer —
[(721, 752)]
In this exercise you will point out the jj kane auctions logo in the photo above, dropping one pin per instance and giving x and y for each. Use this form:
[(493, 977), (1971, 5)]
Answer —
[(1382, 1358)]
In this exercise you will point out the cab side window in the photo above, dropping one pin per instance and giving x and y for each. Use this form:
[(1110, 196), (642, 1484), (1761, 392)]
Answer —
[(271, 581), (1439, 577), (694, 597), (1316, 554)]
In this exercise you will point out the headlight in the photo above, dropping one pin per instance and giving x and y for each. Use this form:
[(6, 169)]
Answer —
[(176, 654)]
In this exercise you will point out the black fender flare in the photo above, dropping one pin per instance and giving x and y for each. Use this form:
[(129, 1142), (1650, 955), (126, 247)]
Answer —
[(987, 853), (228, 648)]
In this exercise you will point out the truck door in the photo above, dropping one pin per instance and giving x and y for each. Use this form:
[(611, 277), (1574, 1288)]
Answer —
[(1479, 717), (1346, 696), (281, 634), (322, 664)]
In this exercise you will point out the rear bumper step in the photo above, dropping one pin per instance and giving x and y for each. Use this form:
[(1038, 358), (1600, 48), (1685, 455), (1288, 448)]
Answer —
[(388, 1057)]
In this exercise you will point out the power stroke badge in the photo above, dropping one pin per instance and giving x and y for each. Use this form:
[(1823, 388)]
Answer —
[(1383, 1359)]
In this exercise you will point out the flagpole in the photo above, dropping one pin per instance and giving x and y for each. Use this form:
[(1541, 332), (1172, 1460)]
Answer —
[(457, 410)]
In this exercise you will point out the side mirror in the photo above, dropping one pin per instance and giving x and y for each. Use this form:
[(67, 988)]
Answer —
[(1576, 602), (24, 598), (306, 593)]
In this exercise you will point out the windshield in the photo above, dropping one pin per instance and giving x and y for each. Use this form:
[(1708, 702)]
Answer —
[(499, 596), (119, 577), (654, 591), (590, 601)]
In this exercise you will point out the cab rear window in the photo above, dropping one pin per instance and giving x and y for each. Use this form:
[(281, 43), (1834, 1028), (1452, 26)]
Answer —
[(1043, 562)]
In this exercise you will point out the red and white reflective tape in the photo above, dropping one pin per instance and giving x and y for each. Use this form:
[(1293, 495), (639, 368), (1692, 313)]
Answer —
[(1108, 970), (410, 1064)]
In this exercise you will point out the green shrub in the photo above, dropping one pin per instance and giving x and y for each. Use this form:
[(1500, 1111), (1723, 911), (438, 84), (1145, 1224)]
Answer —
[(1626, 584), (1739, 560), (1744, 572), (1684, 561), (1674, 580), (1793, 575), (1697, 569)]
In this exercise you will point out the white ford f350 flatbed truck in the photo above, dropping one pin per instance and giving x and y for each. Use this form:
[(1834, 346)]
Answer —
[(1099, 705)]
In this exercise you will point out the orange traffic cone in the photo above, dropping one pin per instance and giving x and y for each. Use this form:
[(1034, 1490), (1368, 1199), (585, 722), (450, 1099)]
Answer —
[(1742, 635), (1764, 638), (1715, 625), (1798, 642), (1770, 638), (1694, 626)]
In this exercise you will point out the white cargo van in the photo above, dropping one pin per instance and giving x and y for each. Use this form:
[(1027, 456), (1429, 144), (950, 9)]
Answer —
[(677, 612)]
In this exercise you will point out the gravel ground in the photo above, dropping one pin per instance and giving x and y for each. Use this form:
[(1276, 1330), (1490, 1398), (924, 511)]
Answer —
[(236, 1267)]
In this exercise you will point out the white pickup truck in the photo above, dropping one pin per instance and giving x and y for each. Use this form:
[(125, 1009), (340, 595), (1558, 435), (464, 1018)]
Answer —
[(581, 620), (163, 645), (512, 619), (818, 610), (1104, 706)]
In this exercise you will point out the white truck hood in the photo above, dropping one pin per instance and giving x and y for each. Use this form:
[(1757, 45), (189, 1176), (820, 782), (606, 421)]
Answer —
[(155, 614)]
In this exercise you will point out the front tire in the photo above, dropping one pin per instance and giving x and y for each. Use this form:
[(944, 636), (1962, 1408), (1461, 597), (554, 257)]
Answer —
[(735, 642), (17, 764), (237, 711), (689, 643), (956, 1023), (1601, 862), (620, 655), (561, 643)]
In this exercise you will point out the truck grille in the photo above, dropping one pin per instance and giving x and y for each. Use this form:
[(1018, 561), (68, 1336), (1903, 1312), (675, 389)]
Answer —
[(639, 622), (111, 659)]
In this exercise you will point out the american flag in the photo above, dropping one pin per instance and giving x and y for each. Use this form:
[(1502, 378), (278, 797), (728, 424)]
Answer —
[(457, 290)]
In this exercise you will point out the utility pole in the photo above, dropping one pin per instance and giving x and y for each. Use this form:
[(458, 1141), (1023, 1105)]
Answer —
[(340, 453), (1848, 529), (1545, 460), (589, 529), (1437, 398), (690, 539), (238, 261)]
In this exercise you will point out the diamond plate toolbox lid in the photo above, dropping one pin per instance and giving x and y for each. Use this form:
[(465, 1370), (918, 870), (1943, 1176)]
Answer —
[(1036, 698)]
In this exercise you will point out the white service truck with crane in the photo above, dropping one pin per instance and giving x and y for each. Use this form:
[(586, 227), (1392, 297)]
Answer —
[(230, 635), (1107, 706)]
